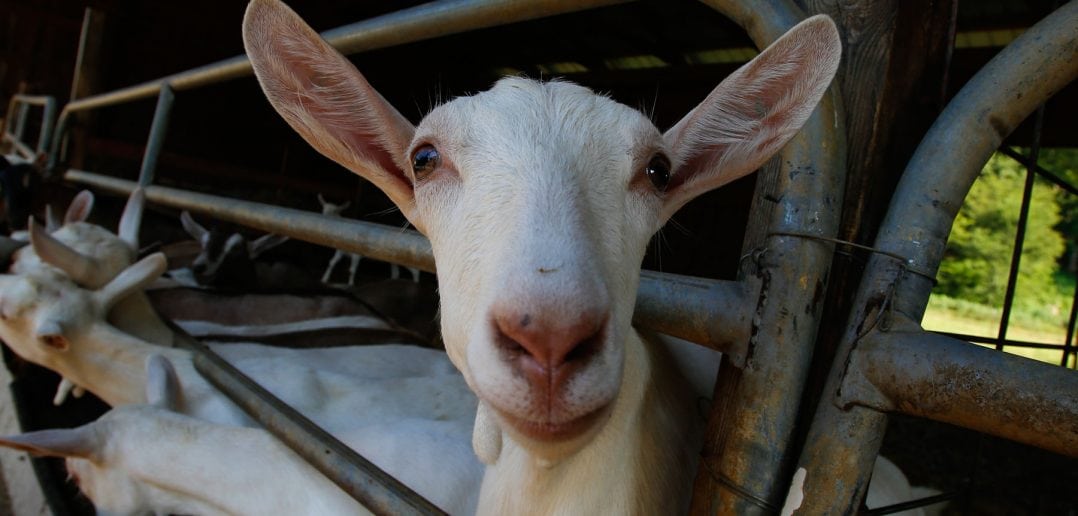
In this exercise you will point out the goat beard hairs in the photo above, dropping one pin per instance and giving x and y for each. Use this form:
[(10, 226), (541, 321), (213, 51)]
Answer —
[(486, 436)]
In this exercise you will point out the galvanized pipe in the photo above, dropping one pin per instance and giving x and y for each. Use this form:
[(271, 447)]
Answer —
[(48, 115), (422, 22), (80, 54), (843, 442), (375, 489), (385, 243), (161, 115), (716, 314), (746, 459), (928, 375), (713, 313)]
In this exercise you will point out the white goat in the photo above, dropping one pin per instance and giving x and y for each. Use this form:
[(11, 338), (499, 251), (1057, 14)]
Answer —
[(334, 210), (539, 200), (140, 459), (359, 394)]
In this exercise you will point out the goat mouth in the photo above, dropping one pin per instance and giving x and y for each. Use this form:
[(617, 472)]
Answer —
[(547, 431)]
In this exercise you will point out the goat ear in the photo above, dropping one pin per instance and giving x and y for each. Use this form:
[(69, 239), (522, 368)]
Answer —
[(81, 442), (327, 101), (265, 243), (79, 209), (162, 385), (80, 268), (750, 115), (131, 219), (133, 278), (191, 227)]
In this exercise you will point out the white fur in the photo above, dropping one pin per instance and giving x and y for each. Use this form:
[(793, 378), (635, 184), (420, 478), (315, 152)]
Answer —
[(539, 213), (357, 393)]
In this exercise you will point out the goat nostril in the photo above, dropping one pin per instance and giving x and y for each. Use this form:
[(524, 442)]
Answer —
[(586, 348), (506, 343)]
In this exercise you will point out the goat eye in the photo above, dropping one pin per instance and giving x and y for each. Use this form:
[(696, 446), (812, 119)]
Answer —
[(658, 172), (425, 161)]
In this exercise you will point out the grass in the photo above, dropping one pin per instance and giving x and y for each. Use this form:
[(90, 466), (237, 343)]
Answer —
[(960, 316)]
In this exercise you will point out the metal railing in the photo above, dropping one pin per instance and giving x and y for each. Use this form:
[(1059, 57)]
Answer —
[(19, 108), (766, 322)]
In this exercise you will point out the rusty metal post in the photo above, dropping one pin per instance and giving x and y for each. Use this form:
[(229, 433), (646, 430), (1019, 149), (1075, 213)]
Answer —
[(908, 370), (746, 456), (843, 442)]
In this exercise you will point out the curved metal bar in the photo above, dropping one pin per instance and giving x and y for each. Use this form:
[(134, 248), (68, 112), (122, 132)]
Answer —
[(843, 442), (47, 119), (746, 458), (935, 183), (427, 21)]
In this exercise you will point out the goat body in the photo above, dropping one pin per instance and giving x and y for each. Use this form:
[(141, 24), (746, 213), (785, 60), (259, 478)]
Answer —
[(538, 246), (356, 393)]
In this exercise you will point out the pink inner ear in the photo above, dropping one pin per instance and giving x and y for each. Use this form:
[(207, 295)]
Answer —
[(80, 207), (335, 95)]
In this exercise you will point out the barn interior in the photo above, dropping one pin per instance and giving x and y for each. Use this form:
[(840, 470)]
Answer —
[(661, 56)]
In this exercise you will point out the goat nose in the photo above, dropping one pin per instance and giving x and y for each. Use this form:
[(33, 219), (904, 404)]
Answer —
[(546, 343)]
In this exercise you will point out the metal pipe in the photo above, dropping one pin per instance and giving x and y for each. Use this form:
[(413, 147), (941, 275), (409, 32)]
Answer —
[(713, 313), (977, 339), (20, 120), (843, 443), (24, 102), (80, 55), (1068, 342), (422, 22), (385, 243), (161, 115), (1020, 233), (746, 461), (716, 314), (1027, 72), (1055, 179), (927, 375), (375, 489)]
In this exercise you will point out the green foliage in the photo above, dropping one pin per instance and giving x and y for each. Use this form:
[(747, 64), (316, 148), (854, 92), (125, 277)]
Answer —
[(977, 260), (1064, 163)]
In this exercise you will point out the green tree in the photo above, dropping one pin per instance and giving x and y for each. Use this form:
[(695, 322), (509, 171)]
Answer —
[(1064, 163), (977, 260)]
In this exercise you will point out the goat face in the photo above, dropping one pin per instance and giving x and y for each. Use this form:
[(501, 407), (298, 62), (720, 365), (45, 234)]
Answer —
[(538, 230), (539, 200)]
